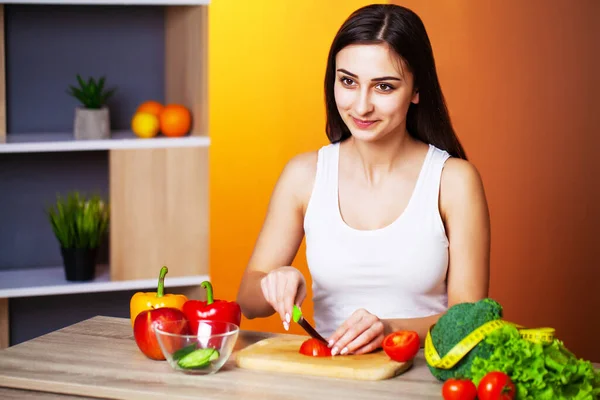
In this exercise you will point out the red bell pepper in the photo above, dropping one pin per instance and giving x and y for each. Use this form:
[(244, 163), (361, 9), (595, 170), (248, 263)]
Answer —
[(211, 309)]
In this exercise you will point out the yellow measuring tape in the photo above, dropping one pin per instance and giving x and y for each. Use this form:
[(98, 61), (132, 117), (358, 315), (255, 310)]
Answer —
[(536, 335)]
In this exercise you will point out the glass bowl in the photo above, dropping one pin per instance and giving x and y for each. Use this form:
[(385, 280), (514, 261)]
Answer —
[(202, 353)]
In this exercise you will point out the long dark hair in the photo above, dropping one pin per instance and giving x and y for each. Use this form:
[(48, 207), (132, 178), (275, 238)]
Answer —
[(403, 30)]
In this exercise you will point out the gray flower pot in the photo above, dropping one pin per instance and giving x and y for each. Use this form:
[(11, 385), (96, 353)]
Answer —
[(92, 124)]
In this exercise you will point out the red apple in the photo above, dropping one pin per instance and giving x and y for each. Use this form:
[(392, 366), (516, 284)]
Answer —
[(147, 320)]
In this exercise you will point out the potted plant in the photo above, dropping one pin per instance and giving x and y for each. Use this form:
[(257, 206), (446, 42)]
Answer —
[(92, 118), (79, 224)]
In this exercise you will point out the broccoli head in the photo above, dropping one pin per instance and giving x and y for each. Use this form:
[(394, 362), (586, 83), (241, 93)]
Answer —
[(458, 321)]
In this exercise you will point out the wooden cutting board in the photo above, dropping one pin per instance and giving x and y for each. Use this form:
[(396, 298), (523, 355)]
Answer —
[(280, 354)]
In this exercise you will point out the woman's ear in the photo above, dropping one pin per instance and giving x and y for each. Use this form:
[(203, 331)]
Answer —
[(415, 98)]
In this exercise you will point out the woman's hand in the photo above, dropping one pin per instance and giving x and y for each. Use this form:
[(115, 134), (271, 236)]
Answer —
[(282, 288), (361, 333)]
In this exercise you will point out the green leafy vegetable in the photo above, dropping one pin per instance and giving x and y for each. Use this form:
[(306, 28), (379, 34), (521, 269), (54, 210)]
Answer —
[(539, 371), (452, 327)]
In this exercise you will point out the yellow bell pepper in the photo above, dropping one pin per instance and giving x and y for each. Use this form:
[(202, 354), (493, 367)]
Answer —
[(141, 301)]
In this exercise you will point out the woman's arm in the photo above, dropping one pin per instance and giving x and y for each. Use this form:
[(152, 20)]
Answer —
[(464, 210), (279, 240)]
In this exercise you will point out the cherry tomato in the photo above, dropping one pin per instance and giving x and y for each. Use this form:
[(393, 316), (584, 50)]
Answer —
[(314, 347), (496, 385), (401, 346), (459, 389)]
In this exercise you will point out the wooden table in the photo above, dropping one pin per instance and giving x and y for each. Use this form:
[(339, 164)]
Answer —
[(98, 357)]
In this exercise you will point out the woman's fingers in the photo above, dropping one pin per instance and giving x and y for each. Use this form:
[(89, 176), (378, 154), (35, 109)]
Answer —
[(371, 346), (281, 288), (283, 299), (335, 341), (300, 294), (265, 289), (349, 336), (356, 332), (368, 340), (269, 290), (274, 282)]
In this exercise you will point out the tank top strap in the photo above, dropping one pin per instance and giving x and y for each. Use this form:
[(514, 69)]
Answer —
[(323, 196), (327, 169), (430, 185)]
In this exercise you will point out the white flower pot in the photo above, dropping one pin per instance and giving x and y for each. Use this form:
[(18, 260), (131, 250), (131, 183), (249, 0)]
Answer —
[(92, 124)]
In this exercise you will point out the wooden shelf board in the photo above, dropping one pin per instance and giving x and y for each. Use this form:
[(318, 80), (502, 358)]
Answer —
[(52, 142), (112, 2), (28, 282)]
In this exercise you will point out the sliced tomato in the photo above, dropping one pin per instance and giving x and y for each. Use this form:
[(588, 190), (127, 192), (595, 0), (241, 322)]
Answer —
[(496, 385), (315, 348), (401, 346), (459, 389)]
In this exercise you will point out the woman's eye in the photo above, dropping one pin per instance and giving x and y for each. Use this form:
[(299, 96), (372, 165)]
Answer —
[(384, 87), (346, 81)]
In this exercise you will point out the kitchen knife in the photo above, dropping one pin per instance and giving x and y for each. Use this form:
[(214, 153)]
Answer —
[(297, 317)]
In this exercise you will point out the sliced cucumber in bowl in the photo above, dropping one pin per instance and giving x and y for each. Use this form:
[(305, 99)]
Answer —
[(199, 358)]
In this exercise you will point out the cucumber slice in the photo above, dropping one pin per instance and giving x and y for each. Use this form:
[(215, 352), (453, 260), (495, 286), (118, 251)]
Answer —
[(199, 358), (184, 351)]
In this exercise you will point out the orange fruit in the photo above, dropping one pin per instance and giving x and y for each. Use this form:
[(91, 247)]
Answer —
[(150, 106), (145, 124), (175, 120)]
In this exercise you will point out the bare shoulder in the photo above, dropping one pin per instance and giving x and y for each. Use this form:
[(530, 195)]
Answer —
[(302, 165), (298, 176), (460, 182), (459, 172), (301, 169)]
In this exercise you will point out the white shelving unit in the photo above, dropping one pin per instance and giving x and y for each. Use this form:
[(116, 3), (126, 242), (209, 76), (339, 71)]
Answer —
[(183, 160), (53, 142), (112, 2), (28, 282)]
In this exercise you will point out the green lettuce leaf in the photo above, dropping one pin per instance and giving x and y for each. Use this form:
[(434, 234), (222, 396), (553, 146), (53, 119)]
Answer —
[(539, 371)]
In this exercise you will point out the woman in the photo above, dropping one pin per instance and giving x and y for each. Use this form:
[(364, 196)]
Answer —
[(395, 217)]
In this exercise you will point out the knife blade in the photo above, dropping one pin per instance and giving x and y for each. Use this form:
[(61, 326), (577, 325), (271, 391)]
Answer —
[(298, 318)]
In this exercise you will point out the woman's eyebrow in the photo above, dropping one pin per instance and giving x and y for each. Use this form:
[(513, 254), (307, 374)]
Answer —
[(383, 78)]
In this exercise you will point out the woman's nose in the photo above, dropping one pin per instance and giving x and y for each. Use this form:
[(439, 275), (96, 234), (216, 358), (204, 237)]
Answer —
[(362, 103)]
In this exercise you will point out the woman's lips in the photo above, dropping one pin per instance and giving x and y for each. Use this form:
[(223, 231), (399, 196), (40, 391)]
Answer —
[(362, 124)]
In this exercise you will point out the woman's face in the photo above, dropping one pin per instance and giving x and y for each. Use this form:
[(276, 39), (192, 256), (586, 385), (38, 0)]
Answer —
[(373, 90)]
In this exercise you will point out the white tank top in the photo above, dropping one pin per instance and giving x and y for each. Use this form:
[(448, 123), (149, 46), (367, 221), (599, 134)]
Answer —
[(398, 271)]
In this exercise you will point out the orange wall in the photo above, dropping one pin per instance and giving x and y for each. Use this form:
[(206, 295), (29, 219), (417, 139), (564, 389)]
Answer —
[(266, 67), (522, 84), (519, 81)]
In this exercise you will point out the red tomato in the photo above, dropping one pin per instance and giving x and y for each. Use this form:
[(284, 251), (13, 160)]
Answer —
[(496, 385), (459, 389), (314, 347), (401, 346)]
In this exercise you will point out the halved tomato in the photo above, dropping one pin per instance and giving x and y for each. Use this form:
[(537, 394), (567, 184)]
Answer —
[(401, 346), (314, 347)]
